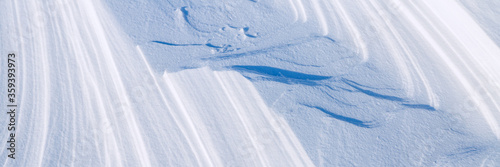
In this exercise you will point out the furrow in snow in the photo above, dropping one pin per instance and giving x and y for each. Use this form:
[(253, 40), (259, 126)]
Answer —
[(89, 93)]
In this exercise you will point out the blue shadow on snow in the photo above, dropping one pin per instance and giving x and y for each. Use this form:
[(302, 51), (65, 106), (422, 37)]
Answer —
[(356, 122), (276, 72), (371, 93)]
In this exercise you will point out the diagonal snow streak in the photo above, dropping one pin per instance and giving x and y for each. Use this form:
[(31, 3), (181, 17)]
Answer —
[(466, 50), (444, 32), (88, 94), (260, 137)]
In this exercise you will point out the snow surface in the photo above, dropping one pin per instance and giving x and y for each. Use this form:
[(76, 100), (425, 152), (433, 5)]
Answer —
[(254, 83)]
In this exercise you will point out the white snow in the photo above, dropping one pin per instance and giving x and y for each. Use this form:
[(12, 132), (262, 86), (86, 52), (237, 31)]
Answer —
[(253, 82), (88, 97)]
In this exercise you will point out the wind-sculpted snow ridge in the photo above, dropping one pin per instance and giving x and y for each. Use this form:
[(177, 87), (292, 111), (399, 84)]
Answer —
[(88, 97), (233, 124), (361, 82)]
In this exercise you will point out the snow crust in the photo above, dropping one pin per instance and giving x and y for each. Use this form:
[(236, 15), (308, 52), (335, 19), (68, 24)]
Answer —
[(89, 98), (254, 83)]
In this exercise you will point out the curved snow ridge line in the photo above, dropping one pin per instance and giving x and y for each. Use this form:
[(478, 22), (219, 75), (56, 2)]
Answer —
[(325, 13), (96, 19), (399, 49), (299, 11), (353, 30), (91, 95), (232, 121), (461, 46), (321, 17), (73, 38)]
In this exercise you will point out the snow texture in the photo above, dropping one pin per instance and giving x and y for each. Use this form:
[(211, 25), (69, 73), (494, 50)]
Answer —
[(253, 83)]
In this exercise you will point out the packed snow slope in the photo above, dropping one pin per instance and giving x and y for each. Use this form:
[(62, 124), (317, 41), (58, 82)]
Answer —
[(87, 97), (361, 82), (358, 83)]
